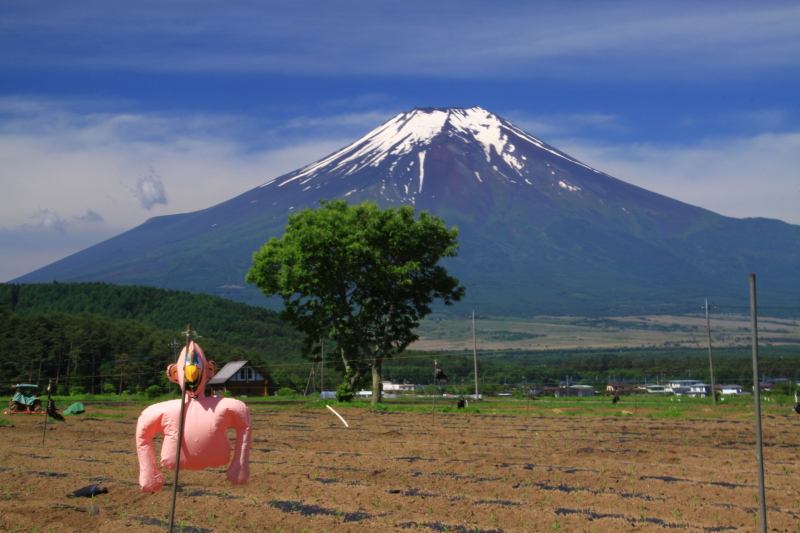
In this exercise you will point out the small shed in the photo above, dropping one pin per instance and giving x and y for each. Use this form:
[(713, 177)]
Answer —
[(240, 378)]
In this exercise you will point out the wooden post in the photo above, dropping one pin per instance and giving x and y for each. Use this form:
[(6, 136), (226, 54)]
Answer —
[(475, 354), (310, 377), (711, 358), (322, 367)]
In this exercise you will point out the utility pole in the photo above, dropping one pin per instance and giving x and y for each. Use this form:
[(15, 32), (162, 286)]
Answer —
[(711, 359), (175, 345), (475, 354), (757, 404)]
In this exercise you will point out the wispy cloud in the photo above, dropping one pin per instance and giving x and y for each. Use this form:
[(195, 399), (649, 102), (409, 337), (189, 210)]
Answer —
[(45, 220), (90, 217), (562, 124), (739, 177), (60, 156), (626, 39)]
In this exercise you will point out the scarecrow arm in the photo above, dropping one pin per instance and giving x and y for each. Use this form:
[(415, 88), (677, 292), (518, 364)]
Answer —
[(150, 422), (239, 469)]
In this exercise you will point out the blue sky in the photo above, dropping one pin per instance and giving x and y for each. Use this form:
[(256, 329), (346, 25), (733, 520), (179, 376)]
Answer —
[(114, 112)]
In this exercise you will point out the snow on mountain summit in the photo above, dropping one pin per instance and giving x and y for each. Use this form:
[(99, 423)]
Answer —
[(419, 128)]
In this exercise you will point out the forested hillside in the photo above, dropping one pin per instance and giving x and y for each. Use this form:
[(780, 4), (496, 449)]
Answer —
[(97, 337), (211, 316), (91, 353)]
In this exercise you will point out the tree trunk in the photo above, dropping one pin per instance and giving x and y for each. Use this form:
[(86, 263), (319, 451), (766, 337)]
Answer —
[(354, 372), (377, 383)]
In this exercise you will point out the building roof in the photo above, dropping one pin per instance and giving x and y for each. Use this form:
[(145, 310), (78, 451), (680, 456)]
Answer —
[(226, 372)]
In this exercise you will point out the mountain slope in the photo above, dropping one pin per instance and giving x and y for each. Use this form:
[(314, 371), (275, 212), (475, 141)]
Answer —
[(540, 232)]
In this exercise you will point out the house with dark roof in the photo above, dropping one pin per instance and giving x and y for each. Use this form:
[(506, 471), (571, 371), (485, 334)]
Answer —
[(240, 378), (619, 387), (580, 391)]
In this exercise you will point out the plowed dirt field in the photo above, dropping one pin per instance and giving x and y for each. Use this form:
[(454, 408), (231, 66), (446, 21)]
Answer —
[(561, 469)]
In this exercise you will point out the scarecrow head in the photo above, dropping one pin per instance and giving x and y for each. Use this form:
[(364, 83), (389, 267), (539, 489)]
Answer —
[(194, 368)]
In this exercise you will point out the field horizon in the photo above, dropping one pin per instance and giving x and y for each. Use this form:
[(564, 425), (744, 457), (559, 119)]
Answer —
[(574, 332)]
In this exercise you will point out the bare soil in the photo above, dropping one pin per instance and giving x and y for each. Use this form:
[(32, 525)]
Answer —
[(561, 469)]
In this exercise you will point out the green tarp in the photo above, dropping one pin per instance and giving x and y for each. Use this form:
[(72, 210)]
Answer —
[(24, 397), (74, 409)]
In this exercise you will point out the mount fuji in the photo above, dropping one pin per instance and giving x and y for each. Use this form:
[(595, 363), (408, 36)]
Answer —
[(540, 231)]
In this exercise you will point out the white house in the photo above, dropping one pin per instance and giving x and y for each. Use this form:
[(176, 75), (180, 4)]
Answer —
[(680, 387), (730, 389), (699, 390), (388, 386)]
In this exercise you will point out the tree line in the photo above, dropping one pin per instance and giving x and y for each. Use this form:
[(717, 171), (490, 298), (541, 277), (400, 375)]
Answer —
[(224, 320), (89, 353), (128, 338)]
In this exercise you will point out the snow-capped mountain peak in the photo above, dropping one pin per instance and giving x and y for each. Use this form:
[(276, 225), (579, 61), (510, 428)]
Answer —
[(418, 129)]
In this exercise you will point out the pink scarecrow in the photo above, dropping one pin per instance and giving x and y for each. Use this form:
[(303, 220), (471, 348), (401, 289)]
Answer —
[(205, 444)]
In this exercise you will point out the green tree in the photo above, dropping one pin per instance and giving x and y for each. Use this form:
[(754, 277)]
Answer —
[(361, 276)]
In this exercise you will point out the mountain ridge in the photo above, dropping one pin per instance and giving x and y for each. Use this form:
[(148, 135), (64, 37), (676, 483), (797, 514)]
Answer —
[(540, 231)]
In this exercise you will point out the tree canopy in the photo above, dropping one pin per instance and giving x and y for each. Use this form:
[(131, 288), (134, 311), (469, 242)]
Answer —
[(361, 276)]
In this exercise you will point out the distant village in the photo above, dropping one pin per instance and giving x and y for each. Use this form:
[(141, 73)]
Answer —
[(241, 378)]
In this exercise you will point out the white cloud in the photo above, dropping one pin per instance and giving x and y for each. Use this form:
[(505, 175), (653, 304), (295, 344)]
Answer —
[(58, 159), (68, 174), (150, 190), (738, 177)]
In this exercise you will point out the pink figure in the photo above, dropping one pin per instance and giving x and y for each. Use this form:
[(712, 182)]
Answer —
[(205, 444)]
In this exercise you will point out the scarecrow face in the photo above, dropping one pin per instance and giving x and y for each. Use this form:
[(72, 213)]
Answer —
[(194, 368)]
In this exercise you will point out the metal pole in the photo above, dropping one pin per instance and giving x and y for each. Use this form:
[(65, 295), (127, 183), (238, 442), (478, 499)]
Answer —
[(322, 371), (475, 354), (757, 396), (711, 358), (180, 431)]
